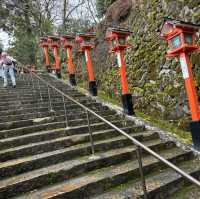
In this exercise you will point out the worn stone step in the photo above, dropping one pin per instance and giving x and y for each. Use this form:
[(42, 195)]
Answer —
[(31, 137), (35, 115), (31, 129), (44, 146), (24, 164), (29, 93), (55, 108), (69, 169), (36, 103), (98, 180), (30, 87), (36, 95), (41, 156), (45, 98), (56, 118), (53, 117), (187, 192), (50, 126), (160, 185), (20, 96), (92, 105)]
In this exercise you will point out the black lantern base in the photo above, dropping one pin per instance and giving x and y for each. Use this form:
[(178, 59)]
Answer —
[(128, 104), (93, 88), (48, 68), (58, 74), (72, 79), (195, 130)]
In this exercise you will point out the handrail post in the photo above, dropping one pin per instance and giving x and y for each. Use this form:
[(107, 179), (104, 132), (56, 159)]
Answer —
[(27, 78), (90, 133), (65, 110), (49, 96), (34, 93), (124, 120), (40, 90), (143, 183), (32, 81)]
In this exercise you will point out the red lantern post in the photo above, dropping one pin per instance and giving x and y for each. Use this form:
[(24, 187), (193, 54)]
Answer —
[(86, 44), (181, 38), (55, 45), (45, 45), (68, 43), (117, 39)]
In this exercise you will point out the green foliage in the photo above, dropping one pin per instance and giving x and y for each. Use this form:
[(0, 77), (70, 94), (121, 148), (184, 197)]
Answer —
[(25, 27), (102, 6), (24, 47), (75, 25)]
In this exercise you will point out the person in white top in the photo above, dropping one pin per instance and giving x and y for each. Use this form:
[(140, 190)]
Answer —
[(8, 68), (1, 73)]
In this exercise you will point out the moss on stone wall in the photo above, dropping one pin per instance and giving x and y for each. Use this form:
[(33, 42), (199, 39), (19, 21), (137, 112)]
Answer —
[(156, 82)]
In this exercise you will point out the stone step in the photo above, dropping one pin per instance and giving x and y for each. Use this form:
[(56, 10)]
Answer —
[(47, 104), (38, 103), (50, 145), (35, 94), (30, 129), (13, 141), (40, 158), (13, 97), (187, 192), (35, 86), (24, 164), (98, 180), (160, 184), (72, 115), (28, 100), (55, 108), (71, 121), (52, 125), (29, 103)]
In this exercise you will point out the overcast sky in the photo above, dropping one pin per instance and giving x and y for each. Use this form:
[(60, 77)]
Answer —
[(4, 38)]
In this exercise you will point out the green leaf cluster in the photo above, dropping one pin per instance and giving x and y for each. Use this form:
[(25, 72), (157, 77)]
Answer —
[(102, 6)]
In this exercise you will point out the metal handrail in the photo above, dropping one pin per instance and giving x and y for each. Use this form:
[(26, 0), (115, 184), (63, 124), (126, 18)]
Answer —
[(134, 141)]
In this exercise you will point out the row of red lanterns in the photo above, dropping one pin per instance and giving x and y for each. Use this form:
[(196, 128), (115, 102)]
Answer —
[(118, 40), (181, 37)]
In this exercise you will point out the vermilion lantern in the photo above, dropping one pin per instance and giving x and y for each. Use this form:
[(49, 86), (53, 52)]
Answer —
[(181, 37), (68, 43), (117, 39), (86, 42), (45, 45), (118, 42), (54, 42)]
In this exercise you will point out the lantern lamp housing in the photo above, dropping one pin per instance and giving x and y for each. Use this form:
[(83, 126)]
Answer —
[(44, 42), (67, 41), (117, 38), (86, 40), (54, 41), (180, 35)]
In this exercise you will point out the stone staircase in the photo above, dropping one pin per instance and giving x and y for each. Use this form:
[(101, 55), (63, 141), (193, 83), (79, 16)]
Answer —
[(41, 159)]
